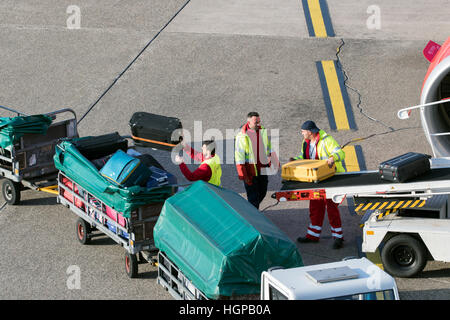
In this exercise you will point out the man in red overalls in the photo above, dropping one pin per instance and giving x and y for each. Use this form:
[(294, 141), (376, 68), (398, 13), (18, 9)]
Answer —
[(317, 144)]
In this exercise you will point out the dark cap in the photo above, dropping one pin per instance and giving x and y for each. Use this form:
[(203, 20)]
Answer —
[(252, 114), (311, 126)]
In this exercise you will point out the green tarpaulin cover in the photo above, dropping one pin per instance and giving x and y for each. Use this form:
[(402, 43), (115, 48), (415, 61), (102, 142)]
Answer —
[(70, 161), (220, 241), (12, 129)]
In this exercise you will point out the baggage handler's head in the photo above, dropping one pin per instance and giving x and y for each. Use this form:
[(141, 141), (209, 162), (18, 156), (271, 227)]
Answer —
[(209, 148), (253, 120), (309, 129)]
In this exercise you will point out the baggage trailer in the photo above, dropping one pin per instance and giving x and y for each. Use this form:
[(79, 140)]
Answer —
[(397, 218), (28, 164), (127, 215), (135, 234), (214, 245)]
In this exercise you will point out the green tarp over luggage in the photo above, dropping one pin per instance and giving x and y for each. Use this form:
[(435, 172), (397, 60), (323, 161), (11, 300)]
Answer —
[(12, 129), (70, 161), (220, 241)]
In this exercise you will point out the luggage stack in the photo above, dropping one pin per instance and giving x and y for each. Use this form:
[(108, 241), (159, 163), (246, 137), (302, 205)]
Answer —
[(125, 168)]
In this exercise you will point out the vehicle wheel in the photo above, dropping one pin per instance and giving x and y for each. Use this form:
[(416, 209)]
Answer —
[(131, 265), (404, 256), (11, 191), (83, 230)]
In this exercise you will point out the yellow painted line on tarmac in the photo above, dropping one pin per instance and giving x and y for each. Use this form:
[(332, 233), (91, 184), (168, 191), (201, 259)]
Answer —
[(317, 19), (335, 94)]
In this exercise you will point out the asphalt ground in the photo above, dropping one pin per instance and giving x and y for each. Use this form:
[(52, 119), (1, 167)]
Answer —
[(211, 65)]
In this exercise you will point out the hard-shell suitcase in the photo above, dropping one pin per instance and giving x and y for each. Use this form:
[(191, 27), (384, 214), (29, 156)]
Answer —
[(149, 161), (155, 131), (307, 170), (125, 170), (95, 147), (404, 167)]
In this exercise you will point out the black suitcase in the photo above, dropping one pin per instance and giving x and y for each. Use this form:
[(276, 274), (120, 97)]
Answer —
[(404, 167), (155, 131), (96, 147), (149, 161)]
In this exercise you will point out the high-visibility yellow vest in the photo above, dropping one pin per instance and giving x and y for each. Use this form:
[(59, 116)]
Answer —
[(216, 170), (326, 148), (243, 151)]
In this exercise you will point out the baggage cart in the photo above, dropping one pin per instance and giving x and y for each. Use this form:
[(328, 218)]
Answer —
[(135, 235), (175, 282), (28, 164)]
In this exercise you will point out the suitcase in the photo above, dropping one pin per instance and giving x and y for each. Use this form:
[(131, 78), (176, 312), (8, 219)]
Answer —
[(149, 161), (307, 170), (69, 196), (116, 216), (95, 147), (160, 178), (125, 170), (404, 167), (155, 131)]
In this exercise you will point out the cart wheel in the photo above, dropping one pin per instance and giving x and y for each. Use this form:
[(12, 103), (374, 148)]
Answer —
[(11, 191), (131, 265), (83, 229), (404, 256)]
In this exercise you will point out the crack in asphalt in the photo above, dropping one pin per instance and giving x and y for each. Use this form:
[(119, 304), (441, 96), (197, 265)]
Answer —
[(358, 105)]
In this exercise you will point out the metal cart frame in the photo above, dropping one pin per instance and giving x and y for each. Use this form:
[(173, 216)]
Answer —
[(23, 168), (175, 282), (137, 250)]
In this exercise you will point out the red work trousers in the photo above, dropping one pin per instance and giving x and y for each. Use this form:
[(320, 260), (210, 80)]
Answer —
[(317, 214)]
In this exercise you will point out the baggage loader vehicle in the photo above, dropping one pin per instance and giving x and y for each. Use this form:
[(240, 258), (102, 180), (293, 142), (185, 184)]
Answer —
[(125, 214), (27, 163), (407, 222)]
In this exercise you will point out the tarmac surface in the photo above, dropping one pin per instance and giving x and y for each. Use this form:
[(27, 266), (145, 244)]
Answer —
[(211, 65)]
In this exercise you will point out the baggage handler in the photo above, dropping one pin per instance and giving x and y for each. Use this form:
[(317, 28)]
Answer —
[(253, 153), (209, 170), (317, 144)]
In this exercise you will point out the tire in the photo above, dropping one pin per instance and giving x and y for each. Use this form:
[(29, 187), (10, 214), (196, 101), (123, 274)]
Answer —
[(131, 265), (404, 256), (83, 230), (11, 192)]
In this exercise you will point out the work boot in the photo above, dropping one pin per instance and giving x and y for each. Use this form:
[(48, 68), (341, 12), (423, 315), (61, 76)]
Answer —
[(338, 243), (306, 240)]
